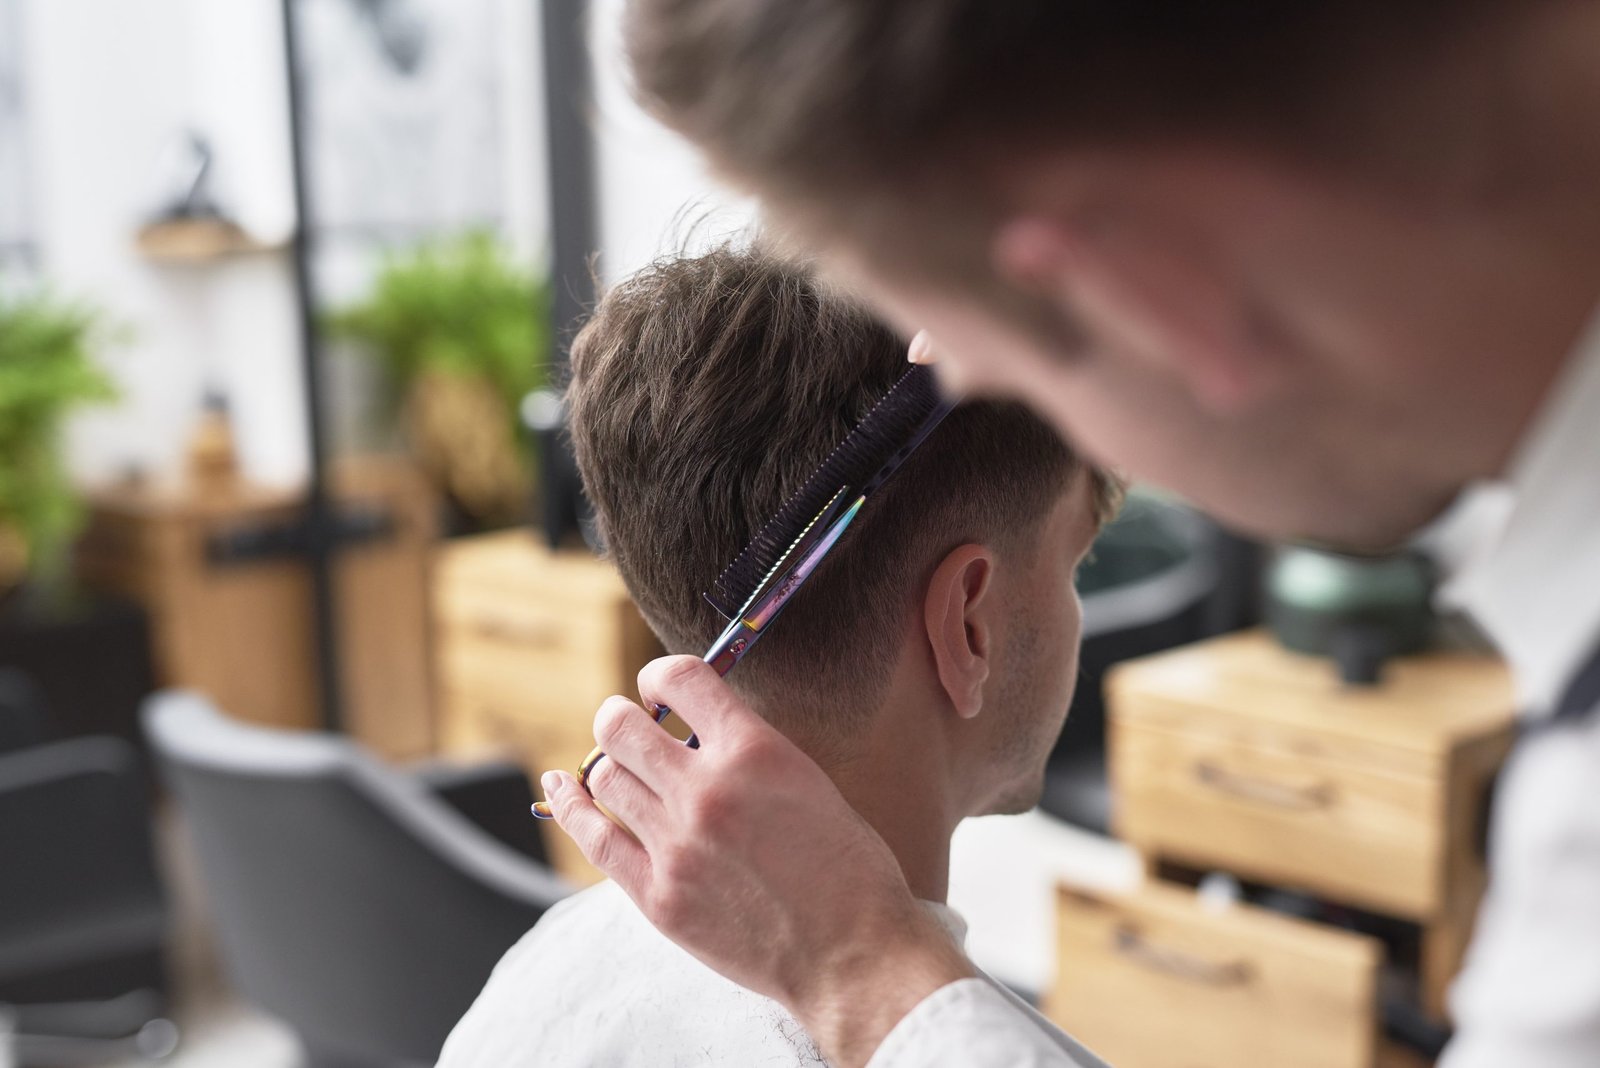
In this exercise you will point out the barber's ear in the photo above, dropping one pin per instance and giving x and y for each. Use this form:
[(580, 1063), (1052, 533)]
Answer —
[(1144, 291), (956, 614)]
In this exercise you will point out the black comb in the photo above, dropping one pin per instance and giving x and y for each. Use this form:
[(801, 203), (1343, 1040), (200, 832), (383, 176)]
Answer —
[(860, 464)]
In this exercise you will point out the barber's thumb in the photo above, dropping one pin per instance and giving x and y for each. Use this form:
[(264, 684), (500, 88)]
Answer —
[(921, 349)]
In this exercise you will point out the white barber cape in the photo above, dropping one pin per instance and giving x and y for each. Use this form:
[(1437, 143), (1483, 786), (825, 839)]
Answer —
[(594, 984)]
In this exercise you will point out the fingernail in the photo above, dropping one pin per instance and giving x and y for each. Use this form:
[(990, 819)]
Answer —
[(921, 349), (551, 783)]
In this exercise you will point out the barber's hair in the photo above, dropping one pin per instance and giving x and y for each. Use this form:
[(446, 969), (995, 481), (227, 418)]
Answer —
[(704, 391), (854, 117)]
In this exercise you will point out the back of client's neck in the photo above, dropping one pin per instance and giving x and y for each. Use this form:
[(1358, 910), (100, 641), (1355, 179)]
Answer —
[(895, 777)]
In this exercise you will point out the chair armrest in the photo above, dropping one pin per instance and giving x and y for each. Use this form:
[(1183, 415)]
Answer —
[(22, 712), (494, 795), (75, 834), (459, 841)]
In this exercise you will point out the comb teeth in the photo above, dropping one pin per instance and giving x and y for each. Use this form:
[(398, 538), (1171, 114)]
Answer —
[(859, 464)]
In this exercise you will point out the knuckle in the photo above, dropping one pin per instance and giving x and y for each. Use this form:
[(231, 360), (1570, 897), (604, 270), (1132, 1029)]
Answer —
[(561, 808), (611, 786), (669, 906), (714, 811), (678, 875), (601, 849), (754, 756), (612, 720), (603, 780), (668, 675), (681, 867)]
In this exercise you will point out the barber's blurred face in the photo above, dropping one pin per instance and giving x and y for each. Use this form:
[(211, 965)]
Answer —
[(1297, 362), (1279, 472)]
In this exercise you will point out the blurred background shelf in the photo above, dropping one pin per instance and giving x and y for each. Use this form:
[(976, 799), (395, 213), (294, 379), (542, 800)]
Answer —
[(228, 596), (196, 242)]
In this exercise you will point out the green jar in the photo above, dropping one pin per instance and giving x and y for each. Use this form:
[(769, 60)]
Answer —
[(1360, 610)]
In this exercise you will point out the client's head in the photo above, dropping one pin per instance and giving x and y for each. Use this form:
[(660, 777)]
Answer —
[(945, 626)]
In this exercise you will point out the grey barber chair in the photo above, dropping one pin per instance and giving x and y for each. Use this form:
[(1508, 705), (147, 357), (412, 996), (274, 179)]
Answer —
[(352, 900), (83, 916)]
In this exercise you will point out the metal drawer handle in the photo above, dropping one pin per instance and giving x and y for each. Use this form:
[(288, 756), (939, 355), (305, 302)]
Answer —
[(1265, 791), (1175, 962)]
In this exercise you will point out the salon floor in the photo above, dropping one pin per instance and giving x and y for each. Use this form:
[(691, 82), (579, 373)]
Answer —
[(218, 1030), (1003, 873)]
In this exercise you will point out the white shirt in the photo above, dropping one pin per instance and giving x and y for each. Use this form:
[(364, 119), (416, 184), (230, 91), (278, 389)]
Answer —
[(1529, 994), (595, 984)]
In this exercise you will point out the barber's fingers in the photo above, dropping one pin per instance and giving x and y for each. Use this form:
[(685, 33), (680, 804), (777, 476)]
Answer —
[(627, 798), (607, 846), (922, 349), (698, 696), (952, 376), (631, 737)]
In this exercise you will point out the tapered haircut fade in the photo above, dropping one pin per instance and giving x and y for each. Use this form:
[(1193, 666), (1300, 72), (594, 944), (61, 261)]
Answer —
[(704, 391)]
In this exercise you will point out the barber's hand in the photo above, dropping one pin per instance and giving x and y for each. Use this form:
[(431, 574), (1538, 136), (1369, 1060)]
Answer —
[(921, 349), (745, 854), (952, 379)]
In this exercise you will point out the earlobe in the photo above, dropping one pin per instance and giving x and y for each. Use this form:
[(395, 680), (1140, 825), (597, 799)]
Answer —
[(1144, 292), (956, 616)]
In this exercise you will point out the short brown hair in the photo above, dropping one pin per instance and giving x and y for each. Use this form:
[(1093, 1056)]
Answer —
[(880, 121), (704, 391)]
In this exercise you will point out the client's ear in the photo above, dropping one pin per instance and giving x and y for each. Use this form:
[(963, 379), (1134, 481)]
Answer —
[(956, 615)]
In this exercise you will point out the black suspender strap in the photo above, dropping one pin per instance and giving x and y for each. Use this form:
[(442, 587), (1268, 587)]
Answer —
[(1579, 700), (1582, 695)]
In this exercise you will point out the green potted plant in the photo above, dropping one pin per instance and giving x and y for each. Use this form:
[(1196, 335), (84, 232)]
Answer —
[(461, 332), (46, 371)]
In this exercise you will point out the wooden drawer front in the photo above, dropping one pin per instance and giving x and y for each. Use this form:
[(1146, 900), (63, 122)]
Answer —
[(544, 742), (1152, 980), (1282, 814), (537, 661), (535, 625)]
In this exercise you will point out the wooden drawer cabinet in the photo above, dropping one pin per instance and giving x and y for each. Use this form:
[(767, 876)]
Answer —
[(515, 668), (1151, 979), (1233, 754), (530, 642), (1282, 812), (237, 629)]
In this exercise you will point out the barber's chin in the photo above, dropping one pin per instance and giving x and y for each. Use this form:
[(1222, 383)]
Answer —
[(1378, 532)]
